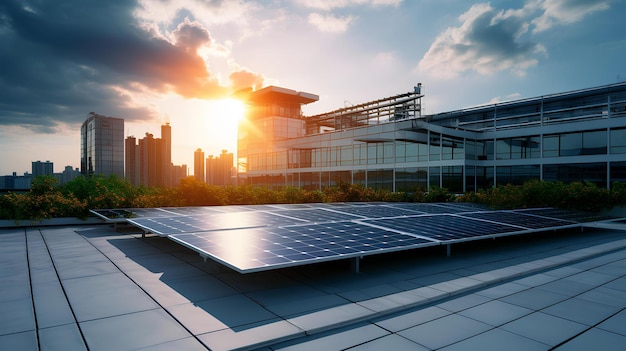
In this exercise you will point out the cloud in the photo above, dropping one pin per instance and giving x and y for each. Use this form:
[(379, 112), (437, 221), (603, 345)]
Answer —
[(328, 5), (68, 58), (241, 78), (487, 41), (330, 23), (556, 12), (490, 40)]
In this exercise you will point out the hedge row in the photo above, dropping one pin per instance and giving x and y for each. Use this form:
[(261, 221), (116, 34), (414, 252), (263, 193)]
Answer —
[(47, 199)]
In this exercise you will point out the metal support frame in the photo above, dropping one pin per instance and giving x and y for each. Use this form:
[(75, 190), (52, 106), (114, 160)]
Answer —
[(448, 250), (356, 264)]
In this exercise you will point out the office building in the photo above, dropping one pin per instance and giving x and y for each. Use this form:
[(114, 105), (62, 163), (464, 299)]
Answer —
[(198, 165), (219, 169), (102, 146), (42, 168), (388, 143)]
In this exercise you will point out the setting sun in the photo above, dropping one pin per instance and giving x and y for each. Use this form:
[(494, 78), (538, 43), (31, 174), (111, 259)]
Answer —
[(231, 110)]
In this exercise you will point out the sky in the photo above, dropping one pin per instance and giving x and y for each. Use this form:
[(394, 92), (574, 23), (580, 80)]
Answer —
[(179, 61)]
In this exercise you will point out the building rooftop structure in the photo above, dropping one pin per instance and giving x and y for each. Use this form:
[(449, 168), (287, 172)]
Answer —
[(104, 287)]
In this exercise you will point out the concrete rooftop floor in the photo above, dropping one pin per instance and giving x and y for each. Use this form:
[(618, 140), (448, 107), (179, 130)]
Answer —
[(95, 288)]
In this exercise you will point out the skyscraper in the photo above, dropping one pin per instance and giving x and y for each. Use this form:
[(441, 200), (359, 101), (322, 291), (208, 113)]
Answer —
[(102, 146), (165, 164), (198, 165), (150, 162)]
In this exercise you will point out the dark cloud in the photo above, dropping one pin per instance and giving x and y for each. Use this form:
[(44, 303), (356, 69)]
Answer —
[(63, 59)]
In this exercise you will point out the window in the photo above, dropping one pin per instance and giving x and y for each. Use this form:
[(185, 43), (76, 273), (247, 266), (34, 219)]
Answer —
[(618, 141)]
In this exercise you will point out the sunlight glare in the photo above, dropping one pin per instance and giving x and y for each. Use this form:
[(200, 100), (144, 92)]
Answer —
[(228, 110)]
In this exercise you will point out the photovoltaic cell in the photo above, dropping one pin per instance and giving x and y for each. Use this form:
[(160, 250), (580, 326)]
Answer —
[(199, 223), (567, 215), (257, 249), (519, 219), (431, 208), (445, 227), (377, 211), (317, 215)]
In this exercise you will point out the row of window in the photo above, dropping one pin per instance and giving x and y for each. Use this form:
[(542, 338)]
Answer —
[(442, 147), (450, 177)]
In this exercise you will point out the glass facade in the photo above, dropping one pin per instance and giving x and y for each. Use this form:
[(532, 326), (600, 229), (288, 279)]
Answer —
[(102, 146), (565, 137)]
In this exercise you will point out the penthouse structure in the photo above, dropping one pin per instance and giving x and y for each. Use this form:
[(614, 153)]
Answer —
[(389, 144)]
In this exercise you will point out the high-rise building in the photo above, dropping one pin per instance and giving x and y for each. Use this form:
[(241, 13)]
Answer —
[(102, 146), (198, 165), (219, 169), (131, 160), (42, 168), (178, 172), (149, 163), (165, 162)]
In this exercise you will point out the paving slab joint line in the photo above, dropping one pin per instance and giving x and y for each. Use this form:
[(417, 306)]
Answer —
[(578, 255)]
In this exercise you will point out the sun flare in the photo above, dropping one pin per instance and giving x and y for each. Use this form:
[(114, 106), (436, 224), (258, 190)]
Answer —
[(228, 110)]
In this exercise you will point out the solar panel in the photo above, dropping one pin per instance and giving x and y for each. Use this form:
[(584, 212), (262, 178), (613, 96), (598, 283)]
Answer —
[(122, 214), (257, 249), (198, 223), (377, 211), (568, 215), (430, 208), (445, 227), (190, 211), (261, 237), (520, 219), (316, 215)]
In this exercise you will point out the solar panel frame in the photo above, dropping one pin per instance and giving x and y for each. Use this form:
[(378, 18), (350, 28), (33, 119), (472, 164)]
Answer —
[(121, 215)]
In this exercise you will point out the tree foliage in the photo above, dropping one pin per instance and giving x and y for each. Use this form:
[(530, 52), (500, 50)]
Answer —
[(47, 199)]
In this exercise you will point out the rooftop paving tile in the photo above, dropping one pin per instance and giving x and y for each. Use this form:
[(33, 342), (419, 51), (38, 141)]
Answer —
[(339, 340), (496, 340), (496, 312), (444, 331), (19, 341), (61, 338), (191, 304), (585, 312), (389, 342), (407, 319), (105, 295), (595, 339), (132, 331), (616, 324), (544, 328)]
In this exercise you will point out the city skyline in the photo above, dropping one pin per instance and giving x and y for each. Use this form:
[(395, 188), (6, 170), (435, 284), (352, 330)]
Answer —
[(152, 63)]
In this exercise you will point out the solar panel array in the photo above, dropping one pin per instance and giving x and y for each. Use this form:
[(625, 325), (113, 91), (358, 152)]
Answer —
[(261, 237)]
